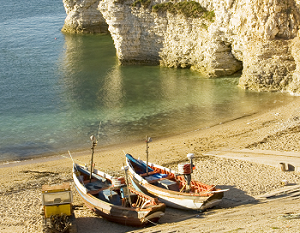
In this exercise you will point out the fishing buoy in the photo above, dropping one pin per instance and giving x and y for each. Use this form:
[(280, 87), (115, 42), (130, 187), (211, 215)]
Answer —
[(184, 168)]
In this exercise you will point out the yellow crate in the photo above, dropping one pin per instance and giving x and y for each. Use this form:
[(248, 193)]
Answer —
[(58, 210)]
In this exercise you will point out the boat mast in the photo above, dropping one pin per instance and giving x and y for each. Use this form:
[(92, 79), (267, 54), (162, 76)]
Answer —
[(148, 139), (94, 140)]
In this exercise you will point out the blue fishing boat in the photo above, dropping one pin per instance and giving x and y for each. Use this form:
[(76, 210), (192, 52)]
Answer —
[(175, 189)]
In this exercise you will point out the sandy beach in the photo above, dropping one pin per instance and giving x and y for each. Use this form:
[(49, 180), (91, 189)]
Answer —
[(241, 210)]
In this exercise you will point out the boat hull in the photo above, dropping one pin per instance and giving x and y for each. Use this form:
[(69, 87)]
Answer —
[(171, 198), (137, 217), (176, 200), (122, 216)]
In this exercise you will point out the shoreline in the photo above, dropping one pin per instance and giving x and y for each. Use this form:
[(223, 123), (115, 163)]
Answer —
[(83, 151), (85, 145), (277, 129)]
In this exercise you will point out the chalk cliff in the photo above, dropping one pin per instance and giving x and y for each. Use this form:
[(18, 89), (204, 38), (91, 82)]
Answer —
[(83, 17), (259, 37)]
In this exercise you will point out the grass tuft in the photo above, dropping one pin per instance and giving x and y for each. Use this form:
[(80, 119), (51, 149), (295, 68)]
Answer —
[(189, 9)]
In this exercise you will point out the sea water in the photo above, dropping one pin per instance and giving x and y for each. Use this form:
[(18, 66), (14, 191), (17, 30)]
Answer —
[(57, 90)]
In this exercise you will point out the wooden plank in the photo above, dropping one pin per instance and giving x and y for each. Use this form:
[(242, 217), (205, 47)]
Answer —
[(284, 190)]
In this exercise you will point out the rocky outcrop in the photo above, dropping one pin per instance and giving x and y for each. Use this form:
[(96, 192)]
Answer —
[(138, 35), (83, 17), (294, 86), (173, 40), (259, 37), (187, 43), (269, 61), (268, 65)]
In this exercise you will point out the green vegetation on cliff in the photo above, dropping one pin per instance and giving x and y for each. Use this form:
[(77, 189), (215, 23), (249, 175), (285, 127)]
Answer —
[(190, 9), (139, 3)]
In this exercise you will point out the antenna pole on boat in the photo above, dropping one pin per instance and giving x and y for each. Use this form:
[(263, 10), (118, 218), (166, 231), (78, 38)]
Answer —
[(189, 176), (148, 139), (94, 140)]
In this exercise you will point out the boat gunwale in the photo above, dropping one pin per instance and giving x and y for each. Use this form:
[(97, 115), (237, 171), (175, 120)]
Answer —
[(80, 187), (163, 190)]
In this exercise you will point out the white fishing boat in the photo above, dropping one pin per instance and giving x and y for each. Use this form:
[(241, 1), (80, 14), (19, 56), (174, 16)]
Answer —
[(175, 190), (111, 197)]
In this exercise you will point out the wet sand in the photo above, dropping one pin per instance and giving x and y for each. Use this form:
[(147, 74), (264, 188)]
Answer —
[(241, 211)]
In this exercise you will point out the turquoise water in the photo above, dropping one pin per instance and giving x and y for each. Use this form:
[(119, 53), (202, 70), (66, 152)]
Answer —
[(56, 90)]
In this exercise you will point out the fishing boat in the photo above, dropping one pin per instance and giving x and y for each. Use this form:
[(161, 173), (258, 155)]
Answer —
[(113, 200), (175, 189)]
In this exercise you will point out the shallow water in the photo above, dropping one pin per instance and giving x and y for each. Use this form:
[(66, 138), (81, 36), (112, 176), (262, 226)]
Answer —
[(56, 90)]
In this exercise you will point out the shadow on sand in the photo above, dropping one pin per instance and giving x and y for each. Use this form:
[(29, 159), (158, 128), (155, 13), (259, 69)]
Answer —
[(232, 198)]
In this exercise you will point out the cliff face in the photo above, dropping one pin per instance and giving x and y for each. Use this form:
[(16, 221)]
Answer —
[(269, 57), (137, 34), (173, 40), (259, 37), (83, 17)]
